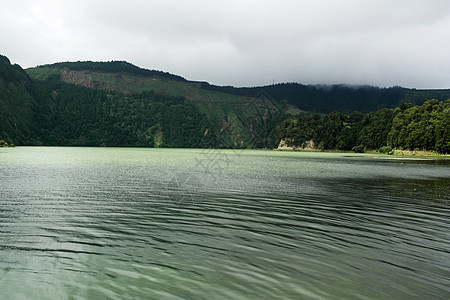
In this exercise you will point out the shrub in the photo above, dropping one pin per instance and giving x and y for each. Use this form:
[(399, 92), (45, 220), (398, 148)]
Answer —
[(386, 150), (358, 149)]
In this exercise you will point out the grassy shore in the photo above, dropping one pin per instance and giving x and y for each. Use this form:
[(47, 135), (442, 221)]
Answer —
[(396, 154)]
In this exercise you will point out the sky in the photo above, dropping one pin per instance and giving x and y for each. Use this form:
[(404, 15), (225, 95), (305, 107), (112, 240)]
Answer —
[(241, 43)]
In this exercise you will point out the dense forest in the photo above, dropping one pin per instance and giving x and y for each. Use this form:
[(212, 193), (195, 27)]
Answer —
[(408, 127), (51, 111), (311, 98), (88, 117), (16, 105), (57, 113), (343, 98), (113, 67)]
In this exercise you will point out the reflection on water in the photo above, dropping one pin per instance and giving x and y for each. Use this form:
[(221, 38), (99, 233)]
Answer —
[(91, 223)]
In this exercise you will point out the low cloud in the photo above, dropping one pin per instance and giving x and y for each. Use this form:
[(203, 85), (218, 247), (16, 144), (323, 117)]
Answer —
[(242, 43)]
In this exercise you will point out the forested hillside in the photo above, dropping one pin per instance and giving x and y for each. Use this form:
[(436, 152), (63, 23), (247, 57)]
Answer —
[(56, 113), (86, 117), (53, 112), (112, 67), (119, 104), (409, 127), (342, 98), (125, 78), (234, 121), (17, 107)]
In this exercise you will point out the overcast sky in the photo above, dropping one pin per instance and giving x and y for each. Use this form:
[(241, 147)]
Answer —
[(242, 43)]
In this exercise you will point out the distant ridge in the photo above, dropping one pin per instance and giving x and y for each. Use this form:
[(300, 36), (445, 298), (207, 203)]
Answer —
[(312, 98), (116, 103), (337, 97), (115, 66)]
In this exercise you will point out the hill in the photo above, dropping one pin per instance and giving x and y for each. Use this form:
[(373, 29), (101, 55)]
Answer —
[(119, 104), (17, 107), (122, 67), (126, 78), (236, 121), (96, 108), (342, 98), (408, 127)]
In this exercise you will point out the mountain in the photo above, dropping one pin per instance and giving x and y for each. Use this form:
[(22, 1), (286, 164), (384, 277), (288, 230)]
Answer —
[(60, 106), (119, 104), (408, 127), (342, 98), (233, 121), (17, 106), (126, 78)]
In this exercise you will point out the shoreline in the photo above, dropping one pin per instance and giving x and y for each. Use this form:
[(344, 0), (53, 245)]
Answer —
[(398, 154)]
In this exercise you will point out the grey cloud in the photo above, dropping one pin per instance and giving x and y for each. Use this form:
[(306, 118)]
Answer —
[(242, 43)]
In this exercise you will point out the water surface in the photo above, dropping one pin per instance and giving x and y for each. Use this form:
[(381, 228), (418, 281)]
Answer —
[(121, 223)]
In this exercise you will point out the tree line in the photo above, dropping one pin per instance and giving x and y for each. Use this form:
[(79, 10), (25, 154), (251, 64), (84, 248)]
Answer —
[(344, 98), (113, 67), (52, 112), (407, 127), (79, 116)]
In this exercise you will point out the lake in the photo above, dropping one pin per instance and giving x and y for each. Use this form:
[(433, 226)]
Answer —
[(132, 223)]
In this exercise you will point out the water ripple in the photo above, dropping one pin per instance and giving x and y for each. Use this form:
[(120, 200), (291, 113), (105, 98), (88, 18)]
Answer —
[(325, 227)]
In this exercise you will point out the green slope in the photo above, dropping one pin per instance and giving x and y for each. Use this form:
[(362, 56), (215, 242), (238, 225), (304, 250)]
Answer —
[(132, 107), (126, 78), (52, 112), (128, 83), (17, 107), (408, 127), (119, 104), (239, 121), (342, 98)]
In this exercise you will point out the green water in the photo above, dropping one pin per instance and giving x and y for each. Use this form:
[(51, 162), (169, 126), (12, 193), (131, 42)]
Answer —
[(113, 223)]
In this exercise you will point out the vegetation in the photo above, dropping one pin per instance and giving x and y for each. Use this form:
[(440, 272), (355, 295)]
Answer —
[(386, 150), (343, 98), (112, 67), (358, 149), (61, 113), (123, 77), (16, 105), (425, 127), (408, 127), (118, 104), (93, 118), (236, 122), (5, 144)]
